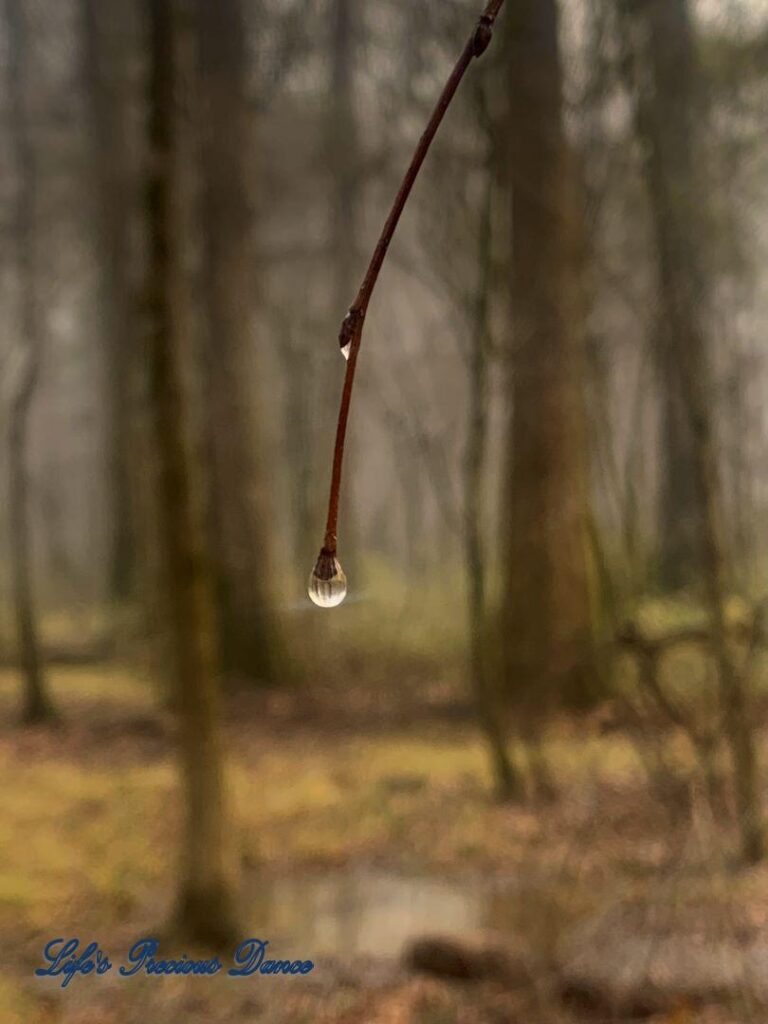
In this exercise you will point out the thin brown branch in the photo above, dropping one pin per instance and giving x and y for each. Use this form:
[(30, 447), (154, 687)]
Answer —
[(649, 650), (352, 327)]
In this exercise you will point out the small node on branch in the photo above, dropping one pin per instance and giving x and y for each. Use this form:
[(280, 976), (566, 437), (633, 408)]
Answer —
[(349, 327), (483, 35)]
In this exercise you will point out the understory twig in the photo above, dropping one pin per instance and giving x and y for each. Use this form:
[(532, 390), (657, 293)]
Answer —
[(352, 326)]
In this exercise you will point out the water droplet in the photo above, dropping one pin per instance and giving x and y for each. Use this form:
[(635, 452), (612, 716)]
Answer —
[(346, 349), (327, 582)]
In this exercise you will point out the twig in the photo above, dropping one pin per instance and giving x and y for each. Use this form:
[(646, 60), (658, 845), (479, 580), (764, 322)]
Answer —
[(648, 652), (352, 326)]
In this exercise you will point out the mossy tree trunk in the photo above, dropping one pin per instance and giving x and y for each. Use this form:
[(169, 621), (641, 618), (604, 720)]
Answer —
[(205, 909)]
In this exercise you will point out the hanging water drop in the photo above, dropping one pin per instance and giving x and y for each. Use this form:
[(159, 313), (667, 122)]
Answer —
[(346, 349), (327, 582)]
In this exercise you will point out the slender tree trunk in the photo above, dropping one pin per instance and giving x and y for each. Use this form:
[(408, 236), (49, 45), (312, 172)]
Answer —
[(660, 121), (487, 697), (669, 107), (344, 151), (298, 438), (105, 74), (548, 600), (679, 515), (237, 496), (37, 704), (205, 910)]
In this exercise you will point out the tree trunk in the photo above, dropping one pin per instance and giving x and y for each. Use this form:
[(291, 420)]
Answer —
[(37, 705), (668, 112), (487, 698), (679, 516), (105, 72), (344, 152), (205, 910), (663, 121), (548, 600), (237, 500)]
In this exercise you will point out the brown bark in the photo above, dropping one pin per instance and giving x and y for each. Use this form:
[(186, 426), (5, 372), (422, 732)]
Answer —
[(548, 601), (205, 910), (236, 498), (668, 111), (37, 704)]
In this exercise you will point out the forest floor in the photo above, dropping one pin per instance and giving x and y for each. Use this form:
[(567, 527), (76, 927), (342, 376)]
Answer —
[(352, 821)]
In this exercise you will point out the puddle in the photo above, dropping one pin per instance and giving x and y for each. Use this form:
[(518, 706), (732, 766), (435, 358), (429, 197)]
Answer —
[(373, 913)]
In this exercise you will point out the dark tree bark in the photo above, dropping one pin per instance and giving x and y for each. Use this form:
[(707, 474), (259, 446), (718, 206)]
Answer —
[(205, 910), (669, 107), (664, 109), (487, 696), (237, 487), (548, 600), (679, 518), (37, 704)]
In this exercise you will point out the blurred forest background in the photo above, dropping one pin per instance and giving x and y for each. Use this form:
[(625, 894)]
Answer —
[(539, 716)]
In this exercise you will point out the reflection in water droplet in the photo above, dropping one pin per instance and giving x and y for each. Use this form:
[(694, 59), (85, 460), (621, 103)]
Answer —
[(327, 582), (346, 349)]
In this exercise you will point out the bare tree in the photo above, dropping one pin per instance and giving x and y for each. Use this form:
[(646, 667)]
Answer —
[(669, 108), (344, 146), (37, 704), (548, 601), (486, 690), (205, 908), (106, 30), (237, 484)]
